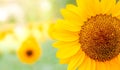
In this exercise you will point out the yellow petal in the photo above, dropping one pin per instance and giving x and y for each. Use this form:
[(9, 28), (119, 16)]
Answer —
[(107, 6), (96, 6), (70, 15), (73, 9), (100, 66), (117, 60), (86, 65), (74, 23), (89, 64), (76, 61), (65, 61), (107, 63), (114, 65), (116, 10), (93, 7), (50, 30), (61, 44), (67, 51), (89, 8), (119, 57), (82, 10), (93, 65), (64, 35), (69, 25)]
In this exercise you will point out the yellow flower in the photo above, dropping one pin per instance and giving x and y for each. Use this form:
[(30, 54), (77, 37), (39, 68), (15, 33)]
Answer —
[(29, 52), (40, 27), (38, 30), (5, 29), (2, 35), (88, 38), (51, 29)]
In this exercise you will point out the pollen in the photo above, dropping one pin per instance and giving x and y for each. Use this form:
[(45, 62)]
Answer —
[(100, 37)]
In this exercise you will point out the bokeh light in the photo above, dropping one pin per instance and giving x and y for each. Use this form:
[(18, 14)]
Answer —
[(20, 19)]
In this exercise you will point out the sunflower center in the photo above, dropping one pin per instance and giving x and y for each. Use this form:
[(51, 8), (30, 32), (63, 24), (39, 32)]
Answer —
[(29, 53), (100, 37)]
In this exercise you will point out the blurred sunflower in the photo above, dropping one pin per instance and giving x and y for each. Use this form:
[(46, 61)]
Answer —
[(51, 29), (2, 35), (29, 52), (41, 30), (5, 30), (22, 31), (38, 30), (89, 35)]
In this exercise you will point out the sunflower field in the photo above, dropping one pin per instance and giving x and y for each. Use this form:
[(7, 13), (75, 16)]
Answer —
[(25, 40), (59, 34)]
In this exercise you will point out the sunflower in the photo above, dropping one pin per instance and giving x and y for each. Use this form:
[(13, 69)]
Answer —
[(38, 30), (29, 52), (50, 29), (88, 36), (2, 35), (5, 30)]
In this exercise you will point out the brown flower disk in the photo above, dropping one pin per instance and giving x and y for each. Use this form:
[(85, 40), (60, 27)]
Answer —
[(100, 37)]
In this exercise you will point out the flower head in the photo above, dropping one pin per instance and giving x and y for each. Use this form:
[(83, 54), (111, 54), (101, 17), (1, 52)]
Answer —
[(88, 38), (29, 51)]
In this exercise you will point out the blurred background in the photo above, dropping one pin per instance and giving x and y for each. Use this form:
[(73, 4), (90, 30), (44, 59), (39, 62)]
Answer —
[(20, 17)]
